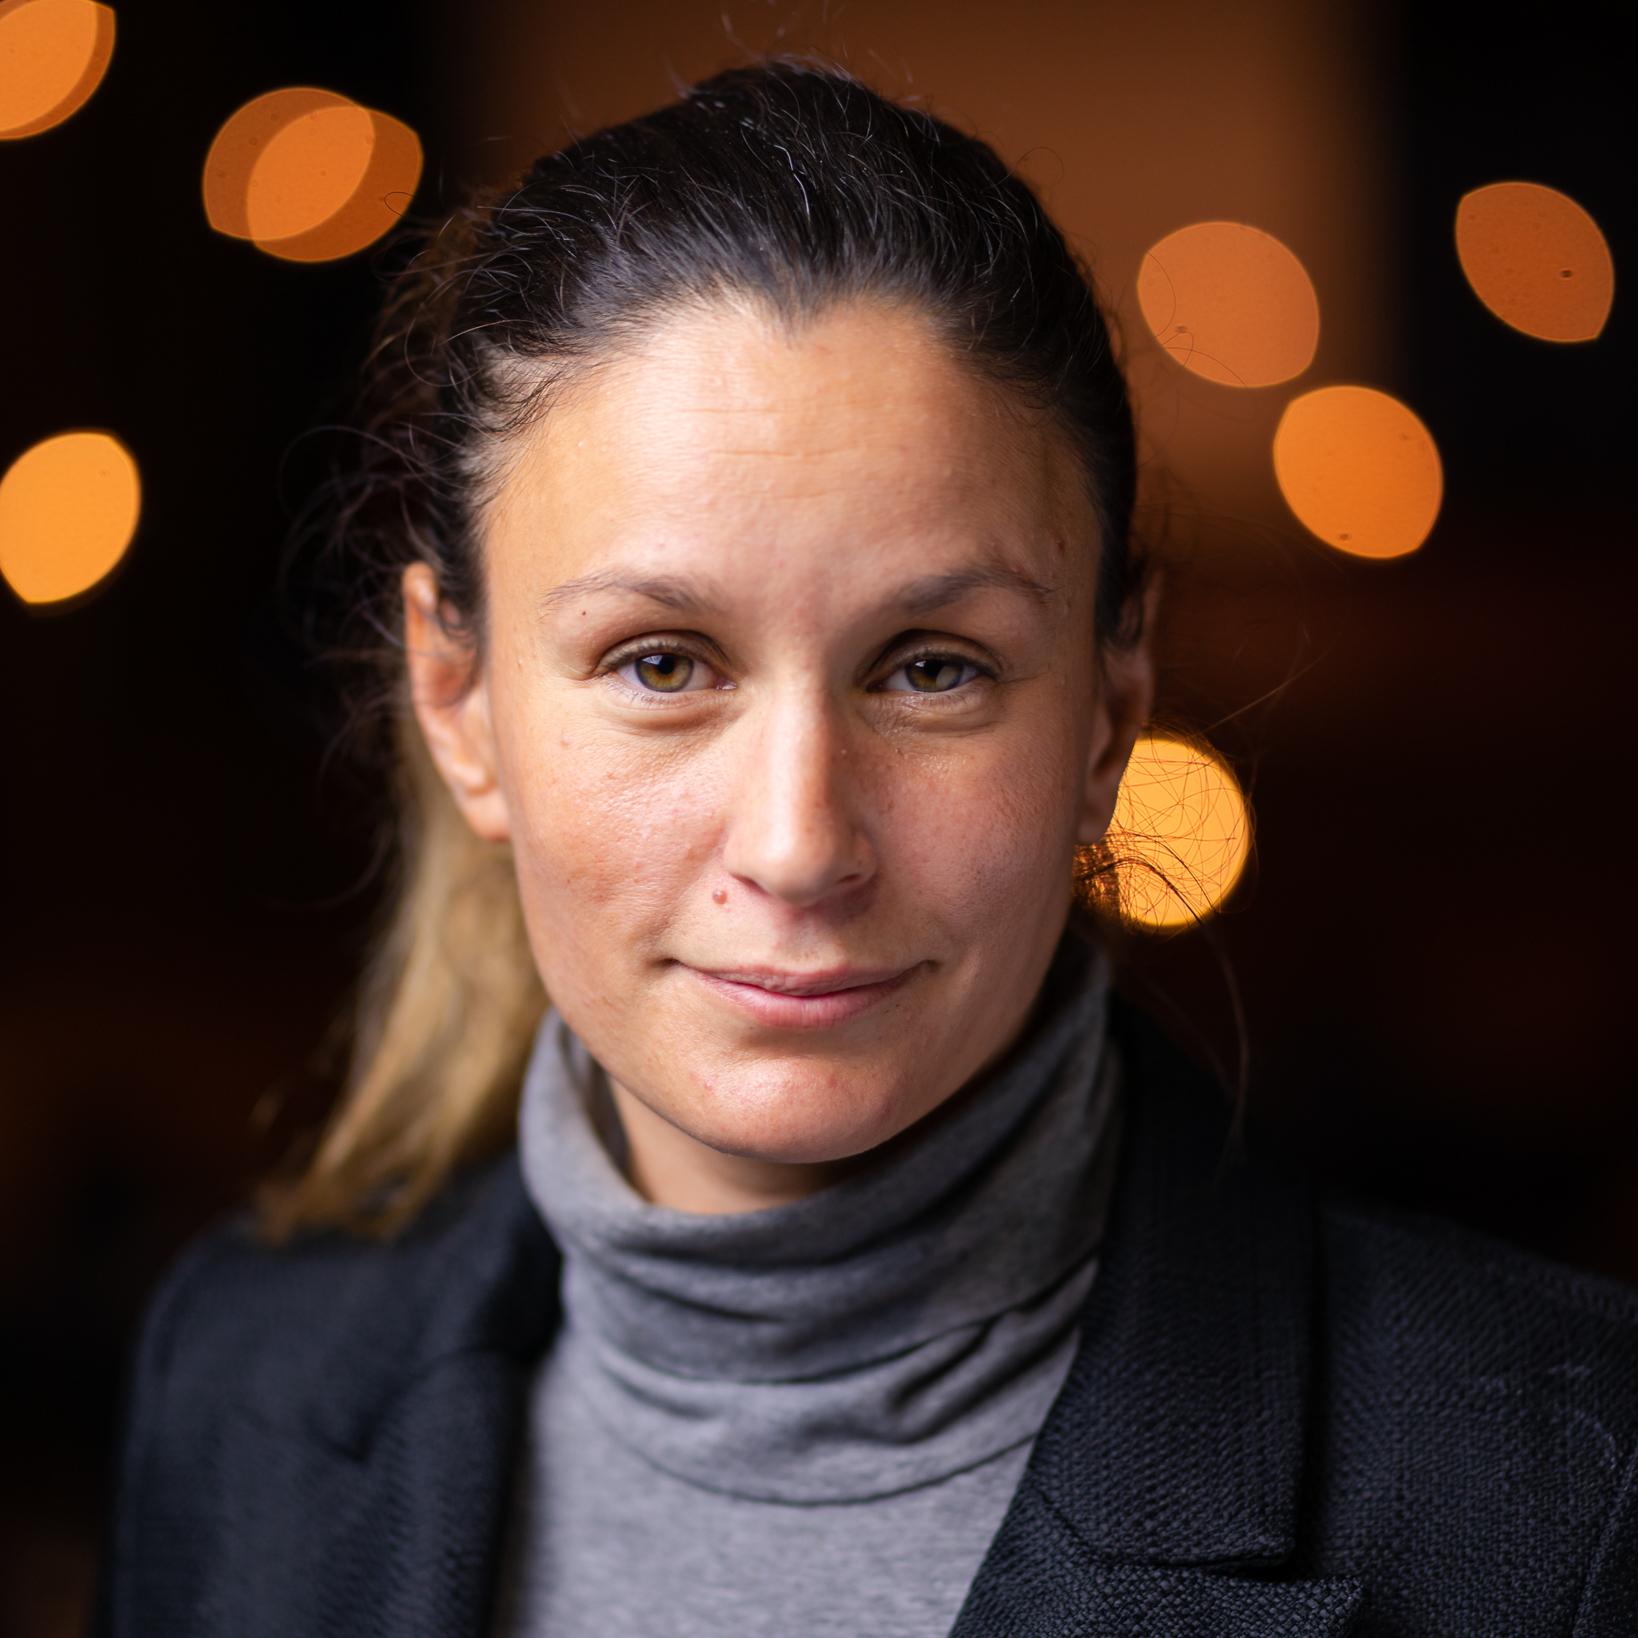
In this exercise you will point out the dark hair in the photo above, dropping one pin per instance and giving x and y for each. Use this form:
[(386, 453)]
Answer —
[(789, 184)]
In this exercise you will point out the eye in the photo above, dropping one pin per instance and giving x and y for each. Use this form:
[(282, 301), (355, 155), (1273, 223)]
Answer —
[(941, 667), (655, 662), (670, 666)]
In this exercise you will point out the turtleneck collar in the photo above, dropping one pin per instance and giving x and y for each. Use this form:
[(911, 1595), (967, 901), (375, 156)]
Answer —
[(889, 1329)]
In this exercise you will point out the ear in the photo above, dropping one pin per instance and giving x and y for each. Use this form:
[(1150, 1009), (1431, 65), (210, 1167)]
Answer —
[(452, 707), (1126, 698)]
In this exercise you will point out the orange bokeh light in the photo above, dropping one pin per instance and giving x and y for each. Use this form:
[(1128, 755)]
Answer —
[(240, 143), (1181, 832), (54, 54), (68, 509), (1536, 259), (1359, 469), (309, 175), (1231, 303)]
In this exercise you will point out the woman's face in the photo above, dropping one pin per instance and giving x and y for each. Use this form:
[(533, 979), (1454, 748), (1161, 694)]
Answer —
[(796, 766)]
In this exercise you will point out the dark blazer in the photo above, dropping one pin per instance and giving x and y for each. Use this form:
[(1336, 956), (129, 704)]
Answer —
[(1294, 1410)]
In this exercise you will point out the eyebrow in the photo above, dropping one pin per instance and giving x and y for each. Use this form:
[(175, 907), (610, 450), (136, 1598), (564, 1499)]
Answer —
[(690, 595)]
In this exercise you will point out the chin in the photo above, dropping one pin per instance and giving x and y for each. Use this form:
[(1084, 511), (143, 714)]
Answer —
[(803, 1120)]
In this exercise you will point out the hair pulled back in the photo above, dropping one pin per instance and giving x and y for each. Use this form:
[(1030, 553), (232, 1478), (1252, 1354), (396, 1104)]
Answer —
[(788, 186)]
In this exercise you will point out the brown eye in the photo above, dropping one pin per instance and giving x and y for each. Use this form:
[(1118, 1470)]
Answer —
[(660, 669), (657, 669), (946, 668), (667, 670), (937, 675)]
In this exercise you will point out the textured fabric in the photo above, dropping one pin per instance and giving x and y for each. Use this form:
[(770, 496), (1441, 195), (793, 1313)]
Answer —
[(603, 1542), (843, 1387), (1292, 1409)]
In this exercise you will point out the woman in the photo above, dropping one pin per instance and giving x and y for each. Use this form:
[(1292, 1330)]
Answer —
[(752, 1211)]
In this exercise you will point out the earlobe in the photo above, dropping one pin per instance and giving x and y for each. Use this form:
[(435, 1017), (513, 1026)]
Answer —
[(452, 707)]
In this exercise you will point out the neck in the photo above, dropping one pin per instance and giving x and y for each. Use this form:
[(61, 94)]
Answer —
[(667, 1167)]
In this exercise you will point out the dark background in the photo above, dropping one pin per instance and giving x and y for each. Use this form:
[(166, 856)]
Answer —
[(1430, 949)]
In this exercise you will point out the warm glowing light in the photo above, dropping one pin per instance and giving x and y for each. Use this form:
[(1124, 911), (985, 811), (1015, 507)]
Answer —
[(68, 510), (53, 55), (1359, 469), (1231, 303), (1536, 259), (309, 175), (308, 171), (240, 143), (1181, 832)]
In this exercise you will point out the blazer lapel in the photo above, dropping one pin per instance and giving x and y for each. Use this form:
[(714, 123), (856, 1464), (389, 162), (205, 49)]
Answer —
[(375, 1489), (1161, 1494)]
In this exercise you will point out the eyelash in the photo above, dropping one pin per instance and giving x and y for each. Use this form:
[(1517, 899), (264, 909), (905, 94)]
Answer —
[(641, 651)]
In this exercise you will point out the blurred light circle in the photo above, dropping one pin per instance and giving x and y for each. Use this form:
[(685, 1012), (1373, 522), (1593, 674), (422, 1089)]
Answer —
[(309, 175), (241, 141), (68, 510), (1359, 470), (53, 55), (1536, 259), (1181, 832), (1231, 303), (310, 168), (391, 156)]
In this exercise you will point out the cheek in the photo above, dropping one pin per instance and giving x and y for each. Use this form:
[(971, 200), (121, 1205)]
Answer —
[(603, 833), (979, 832), (1002, 822)]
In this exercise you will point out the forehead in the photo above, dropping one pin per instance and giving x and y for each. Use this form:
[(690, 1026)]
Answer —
[(860, 439)]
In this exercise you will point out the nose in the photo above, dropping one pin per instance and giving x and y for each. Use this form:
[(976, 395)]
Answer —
[(795, 823)]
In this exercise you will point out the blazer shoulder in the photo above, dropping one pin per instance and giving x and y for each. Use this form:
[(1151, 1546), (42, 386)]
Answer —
[(165, 1313), (240, 1341), (1426, 1310), (1425, 1250), (1481, 1393), (232, 1314)]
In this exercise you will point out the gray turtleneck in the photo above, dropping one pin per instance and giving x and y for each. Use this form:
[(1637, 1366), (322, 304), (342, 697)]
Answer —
[(807, 1418)]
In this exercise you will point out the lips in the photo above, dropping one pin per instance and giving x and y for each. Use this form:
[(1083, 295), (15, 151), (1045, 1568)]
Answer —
[(828, 982), (811, 1011)]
